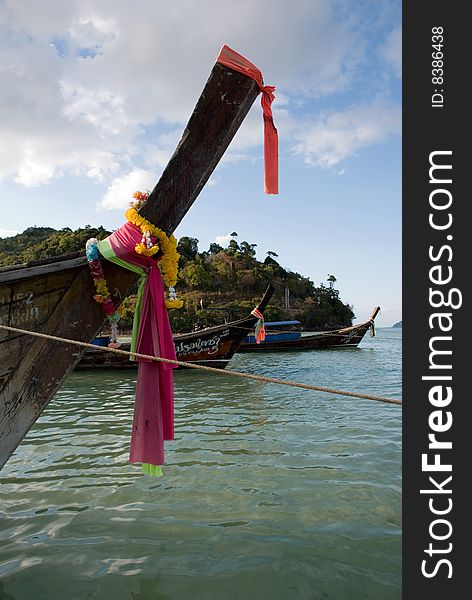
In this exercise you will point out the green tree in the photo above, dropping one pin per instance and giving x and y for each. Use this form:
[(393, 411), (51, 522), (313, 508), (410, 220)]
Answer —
[(332, 280), (196, 276), (230, 279), (247, 249), (187, 247), (215, 248), (38, 243), (232, 248)]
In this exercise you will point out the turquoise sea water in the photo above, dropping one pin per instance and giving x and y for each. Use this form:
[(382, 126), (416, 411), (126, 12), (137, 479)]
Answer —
[(269, 492)]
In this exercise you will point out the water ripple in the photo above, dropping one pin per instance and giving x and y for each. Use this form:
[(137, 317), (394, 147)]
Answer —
[(268, 492)]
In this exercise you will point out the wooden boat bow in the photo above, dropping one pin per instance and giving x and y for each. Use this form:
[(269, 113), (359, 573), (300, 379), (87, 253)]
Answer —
[(375, 313), (55, 297)]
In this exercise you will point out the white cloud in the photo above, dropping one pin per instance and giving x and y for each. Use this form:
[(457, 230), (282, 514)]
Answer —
[(32, 170), (39, 141), (223, 240), (392, 50), (121, 190), (7, 233), (92, 32), (336, 135), (101, 109), (83, 82)]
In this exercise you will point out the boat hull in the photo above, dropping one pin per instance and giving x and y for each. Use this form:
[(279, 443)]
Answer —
[(210, 347), (96, 359), (349, 337)]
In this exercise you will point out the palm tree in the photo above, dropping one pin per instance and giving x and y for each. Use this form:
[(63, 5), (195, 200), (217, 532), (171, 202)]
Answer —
[(331, 279), (247, 249)]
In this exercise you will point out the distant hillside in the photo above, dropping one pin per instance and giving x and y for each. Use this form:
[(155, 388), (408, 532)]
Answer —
[(14, 246), (217, 284), (399, 324), (36, 243), (233, 279)]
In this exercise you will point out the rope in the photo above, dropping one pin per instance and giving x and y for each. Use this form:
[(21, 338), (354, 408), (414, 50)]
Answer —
[(227, 372)]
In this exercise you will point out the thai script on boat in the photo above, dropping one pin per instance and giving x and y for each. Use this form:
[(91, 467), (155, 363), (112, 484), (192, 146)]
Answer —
[(26, 296), (210, 345), (16, 309), (349, 336)]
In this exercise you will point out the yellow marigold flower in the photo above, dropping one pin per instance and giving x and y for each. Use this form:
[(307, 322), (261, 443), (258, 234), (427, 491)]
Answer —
[(167, 244), (101, 288), (174, 303), (151, 251)]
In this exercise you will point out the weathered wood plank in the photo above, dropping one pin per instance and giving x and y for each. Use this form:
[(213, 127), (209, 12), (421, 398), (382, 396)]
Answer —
[(27, 272), (43, 365), (28, 304)]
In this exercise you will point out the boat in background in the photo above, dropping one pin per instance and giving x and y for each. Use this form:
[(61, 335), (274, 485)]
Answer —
[(290, 331), (347, 337), (211, 347)]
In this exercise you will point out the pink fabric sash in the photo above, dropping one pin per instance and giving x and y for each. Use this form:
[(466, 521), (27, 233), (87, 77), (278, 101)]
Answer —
[(154, 407), (233, 60)]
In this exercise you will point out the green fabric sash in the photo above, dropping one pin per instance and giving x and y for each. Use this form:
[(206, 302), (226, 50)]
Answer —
[(105, 249)]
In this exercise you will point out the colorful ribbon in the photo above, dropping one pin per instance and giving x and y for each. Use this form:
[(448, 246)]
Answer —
[(372, 329), (154, 407), (259, 329), (233, 60)]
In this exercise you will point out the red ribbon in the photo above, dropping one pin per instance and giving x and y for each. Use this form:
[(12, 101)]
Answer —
[(260, 327), (233, 60)]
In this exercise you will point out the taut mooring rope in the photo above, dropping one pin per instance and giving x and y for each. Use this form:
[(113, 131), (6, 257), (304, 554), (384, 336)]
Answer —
[(263, 378)]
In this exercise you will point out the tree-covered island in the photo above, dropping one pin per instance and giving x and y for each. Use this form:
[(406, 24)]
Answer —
[(216, 284)]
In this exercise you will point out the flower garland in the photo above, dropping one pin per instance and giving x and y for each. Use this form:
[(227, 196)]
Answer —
[(102, 296), (153, 241)]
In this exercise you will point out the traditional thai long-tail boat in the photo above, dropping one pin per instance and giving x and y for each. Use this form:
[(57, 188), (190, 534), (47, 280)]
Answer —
[(211, 346), (56, 296), (347, 337)]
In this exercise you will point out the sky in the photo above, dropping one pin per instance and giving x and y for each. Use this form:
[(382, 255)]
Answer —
[(95, 94)]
